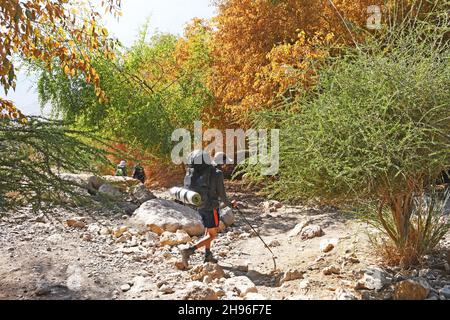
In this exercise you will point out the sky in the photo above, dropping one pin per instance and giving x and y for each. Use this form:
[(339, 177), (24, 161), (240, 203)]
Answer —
[(165, 16)]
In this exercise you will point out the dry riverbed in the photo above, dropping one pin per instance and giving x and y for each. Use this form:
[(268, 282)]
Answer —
[(320, 254)]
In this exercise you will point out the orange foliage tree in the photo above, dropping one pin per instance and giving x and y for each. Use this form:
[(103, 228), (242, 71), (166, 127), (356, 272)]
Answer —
[(257, 41), (51, 32)]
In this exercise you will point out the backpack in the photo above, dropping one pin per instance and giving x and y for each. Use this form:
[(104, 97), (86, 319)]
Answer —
[(138, 171), (198, 179), (120, 172)]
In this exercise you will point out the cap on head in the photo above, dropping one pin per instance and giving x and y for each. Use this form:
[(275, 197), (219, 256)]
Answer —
[(122, 163)]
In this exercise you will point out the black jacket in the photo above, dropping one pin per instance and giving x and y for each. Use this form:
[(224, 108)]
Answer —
[(217, 192)]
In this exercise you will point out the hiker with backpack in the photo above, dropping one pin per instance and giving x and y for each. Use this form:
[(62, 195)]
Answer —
[(207, 180), (139, 173), (121, 170)]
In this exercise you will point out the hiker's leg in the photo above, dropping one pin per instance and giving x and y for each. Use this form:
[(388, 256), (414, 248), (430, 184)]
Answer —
[(210, 235), (210, 220), (208, 254)]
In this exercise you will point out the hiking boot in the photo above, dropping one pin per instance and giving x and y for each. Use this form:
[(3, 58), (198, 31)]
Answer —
[(185, 255), (210, 258)]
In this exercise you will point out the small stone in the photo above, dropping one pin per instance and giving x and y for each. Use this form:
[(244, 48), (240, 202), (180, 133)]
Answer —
[(124, 238), (105, 231), (87, 237), (40, 219), (304, 284), (351, 258), (125, 287), (412, 289), (118, 232), (76, 223), (207, 279), (128, 208), (219, 292), (277, 204), (182, 237), (180, 265), (166, 289), (327, 245), (331, 270), (198, 291), (274, 243), (223, 252), (213, 270), (290, 275), (172, 239), (374, 278), (311, 231), (142, 194), (142, 284), (242, 285), (298, 228)]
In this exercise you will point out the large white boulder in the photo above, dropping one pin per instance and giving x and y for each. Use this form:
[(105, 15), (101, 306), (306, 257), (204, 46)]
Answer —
[(110, 191), (123, 183), (159, 215), (85, 180)]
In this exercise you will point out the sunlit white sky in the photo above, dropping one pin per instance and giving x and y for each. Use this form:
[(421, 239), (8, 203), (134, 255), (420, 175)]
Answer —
[(165, 16)]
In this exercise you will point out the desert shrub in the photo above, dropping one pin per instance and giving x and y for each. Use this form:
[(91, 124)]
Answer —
[(375, 128), (427, 226)]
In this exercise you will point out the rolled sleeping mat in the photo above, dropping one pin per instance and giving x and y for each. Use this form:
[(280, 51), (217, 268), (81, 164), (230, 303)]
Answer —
[(186, 196)]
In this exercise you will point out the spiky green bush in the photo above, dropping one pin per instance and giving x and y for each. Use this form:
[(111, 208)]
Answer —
[(376, 127)]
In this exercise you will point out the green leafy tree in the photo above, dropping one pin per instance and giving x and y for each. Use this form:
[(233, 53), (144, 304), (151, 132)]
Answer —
[(152, 88)]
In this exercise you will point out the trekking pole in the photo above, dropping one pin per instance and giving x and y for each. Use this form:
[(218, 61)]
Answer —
[(256, 232)]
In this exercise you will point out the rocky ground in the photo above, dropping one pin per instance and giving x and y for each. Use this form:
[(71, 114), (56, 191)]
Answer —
[(320, 254)]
